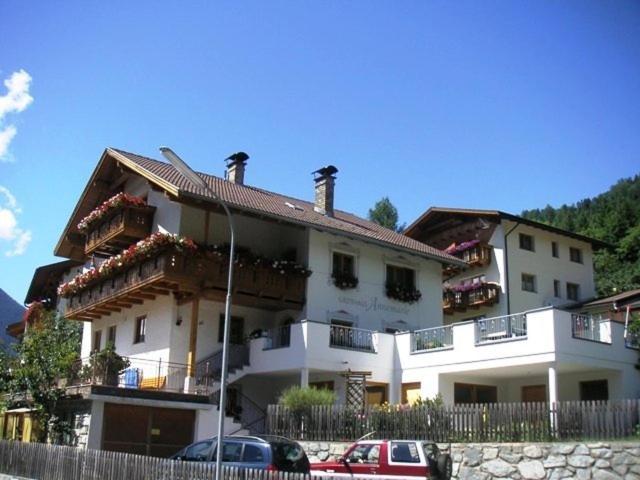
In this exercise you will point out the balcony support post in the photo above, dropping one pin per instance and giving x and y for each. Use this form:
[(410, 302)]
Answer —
[(553, 397), (189, 381), (304, 377)]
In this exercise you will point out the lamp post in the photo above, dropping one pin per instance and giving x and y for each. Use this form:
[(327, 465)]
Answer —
[(197, 181)]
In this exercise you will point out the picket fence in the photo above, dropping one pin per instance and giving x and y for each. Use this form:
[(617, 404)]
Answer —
[(53, 462), (497, 422)]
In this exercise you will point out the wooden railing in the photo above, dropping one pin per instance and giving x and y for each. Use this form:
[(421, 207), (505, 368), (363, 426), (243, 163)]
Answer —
[(477, 256), (125, 226), (485, 294), (171, 270), (495, 422)]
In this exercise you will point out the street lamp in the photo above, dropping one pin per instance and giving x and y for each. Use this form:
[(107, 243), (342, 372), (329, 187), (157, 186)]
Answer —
[(197, 181)]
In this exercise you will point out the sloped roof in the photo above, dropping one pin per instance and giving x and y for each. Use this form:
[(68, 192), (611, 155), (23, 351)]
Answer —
[(46, 279), (258, 201), (433, 212), (624, 298)]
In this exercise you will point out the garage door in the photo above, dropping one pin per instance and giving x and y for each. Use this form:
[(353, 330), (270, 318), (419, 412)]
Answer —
[(157, 432)]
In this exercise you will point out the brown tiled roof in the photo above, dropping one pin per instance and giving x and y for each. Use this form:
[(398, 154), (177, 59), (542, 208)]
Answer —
[(257, 200), (413, 229)]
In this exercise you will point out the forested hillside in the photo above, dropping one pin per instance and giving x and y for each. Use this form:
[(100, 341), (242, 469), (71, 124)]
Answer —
[(614, 217)]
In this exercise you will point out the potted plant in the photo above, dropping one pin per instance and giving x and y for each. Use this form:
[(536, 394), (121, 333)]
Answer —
[(344, 281), (104, 367)]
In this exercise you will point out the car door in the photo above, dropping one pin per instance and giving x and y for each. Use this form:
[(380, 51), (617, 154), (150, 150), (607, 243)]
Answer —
[(231, 454), (406, 460), (198, 452), (363, 460)]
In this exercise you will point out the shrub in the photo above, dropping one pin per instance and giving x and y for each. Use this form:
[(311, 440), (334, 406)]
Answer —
[(300, 400)]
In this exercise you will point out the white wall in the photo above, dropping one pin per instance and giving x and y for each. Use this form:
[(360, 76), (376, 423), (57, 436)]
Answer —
[(367, 305), (546, 268)]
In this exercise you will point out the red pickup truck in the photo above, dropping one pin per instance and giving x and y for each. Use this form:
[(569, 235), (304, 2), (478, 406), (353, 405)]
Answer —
[(389, 459)]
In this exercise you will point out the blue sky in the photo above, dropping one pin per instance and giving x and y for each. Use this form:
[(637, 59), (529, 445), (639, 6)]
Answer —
[(508, 105)]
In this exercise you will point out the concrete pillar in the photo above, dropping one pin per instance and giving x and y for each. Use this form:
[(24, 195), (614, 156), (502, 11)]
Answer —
[(190, 381), (553, 396), (304, 378), (95, 426)]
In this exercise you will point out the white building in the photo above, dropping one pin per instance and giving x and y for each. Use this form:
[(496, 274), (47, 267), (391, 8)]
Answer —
[(372, 302)]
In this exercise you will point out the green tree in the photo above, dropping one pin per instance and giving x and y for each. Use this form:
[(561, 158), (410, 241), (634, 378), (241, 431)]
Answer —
[(384, 213), (46, 354)]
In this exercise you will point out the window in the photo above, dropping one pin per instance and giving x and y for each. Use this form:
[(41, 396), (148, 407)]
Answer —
[(401, 276), (343, 264), (594, 390), (575, 255), (526, 242), (404, 452), (198, 452), (111, 335), (231, 451), (365, 453), (252, 454), (141, 329), (528, 282), (556, 289), (573, 291), (468, 393), (97, 340), (554, 249)]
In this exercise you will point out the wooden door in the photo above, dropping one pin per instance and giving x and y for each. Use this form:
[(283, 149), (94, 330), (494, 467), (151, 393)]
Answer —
[(410, 393), (534, 393), (158, 432), (376, 394)]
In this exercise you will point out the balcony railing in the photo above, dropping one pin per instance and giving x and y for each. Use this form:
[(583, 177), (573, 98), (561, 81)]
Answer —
[(509, 327), (632, 340), (136, 373), (167, 271), (485, 294), (477, 256), (126, 226), (352, 338), (591, 327), (278, 337), (172, 271), (432, 339)]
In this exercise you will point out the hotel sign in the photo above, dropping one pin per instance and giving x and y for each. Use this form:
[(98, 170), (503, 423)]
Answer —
[(373, 304)]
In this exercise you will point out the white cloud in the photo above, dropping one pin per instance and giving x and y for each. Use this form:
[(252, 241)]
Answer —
[(11, 233), (16, 100)]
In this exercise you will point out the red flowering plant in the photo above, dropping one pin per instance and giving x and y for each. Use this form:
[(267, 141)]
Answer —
[(34, 312), (461, 247), (403, 293), (144, 249), (244, 257), (107, 207)]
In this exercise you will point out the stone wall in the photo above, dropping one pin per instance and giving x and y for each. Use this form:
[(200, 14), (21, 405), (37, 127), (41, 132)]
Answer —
[(518, 461)]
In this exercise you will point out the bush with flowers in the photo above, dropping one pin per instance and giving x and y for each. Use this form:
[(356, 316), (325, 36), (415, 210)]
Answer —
[(244, 257), (144, 249), (108, 207), (344, 280), (461, 247), (402, 293)]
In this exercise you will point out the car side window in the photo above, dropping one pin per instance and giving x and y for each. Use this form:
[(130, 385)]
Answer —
[(404, 452), (252, 454), (198, 452), (231, 452), (366, 453), (430, 450)]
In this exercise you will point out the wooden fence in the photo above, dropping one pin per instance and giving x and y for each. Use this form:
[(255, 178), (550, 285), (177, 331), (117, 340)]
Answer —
[(52, 462), (497, 422)]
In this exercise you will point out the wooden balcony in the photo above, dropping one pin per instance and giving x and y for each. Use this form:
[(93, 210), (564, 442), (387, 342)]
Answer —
[(477, 256), (484, 295), (119, 230), (187, 276), (168, 272)]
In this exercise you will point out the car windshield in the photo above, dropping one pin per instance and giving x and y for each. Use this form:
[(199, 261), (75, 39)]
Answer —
[(365, 453), (289, 457)]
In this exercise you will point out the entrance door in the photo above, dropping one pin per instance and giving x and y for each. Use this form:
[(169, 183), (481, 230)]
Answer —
[(376, 394), (594, 390), (534, 393), (469, 393), (236, 332), (158, 432)]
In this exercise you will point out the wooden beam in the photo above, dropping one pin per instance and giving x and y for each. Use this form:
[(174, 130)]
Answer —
[(122, 304), (156, 291), (128, 298), (101, 311), (138, 294), (193, 338)]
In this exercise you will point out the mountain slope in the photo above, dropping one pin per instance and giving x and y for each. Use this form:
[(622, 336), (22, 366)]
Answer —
[(613, 216), (10, 312)]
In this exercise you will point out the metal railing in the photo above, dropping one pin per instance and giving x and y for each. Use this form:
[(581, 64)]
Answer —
[(208, 369), (497, 329), (128, 372), (591, 327), (632, 340), (432, 339), (352, 338), (278, 337)]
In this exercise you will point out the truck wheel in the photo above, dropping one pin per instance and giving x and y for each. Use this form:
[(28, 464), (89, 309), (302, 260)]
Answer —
[(444, 467)]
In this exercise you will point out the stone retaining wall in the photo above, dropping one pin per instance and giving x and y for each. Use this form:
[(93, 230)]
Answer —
[(525, 461)]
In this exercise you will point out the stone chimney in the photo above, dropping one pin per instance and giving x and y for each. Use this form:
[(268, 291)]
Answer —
[(325, 183), (236, 164)]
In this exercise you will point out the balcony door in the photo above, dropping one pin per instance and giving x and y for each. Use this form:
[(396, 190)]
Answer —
[(236, 332)]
